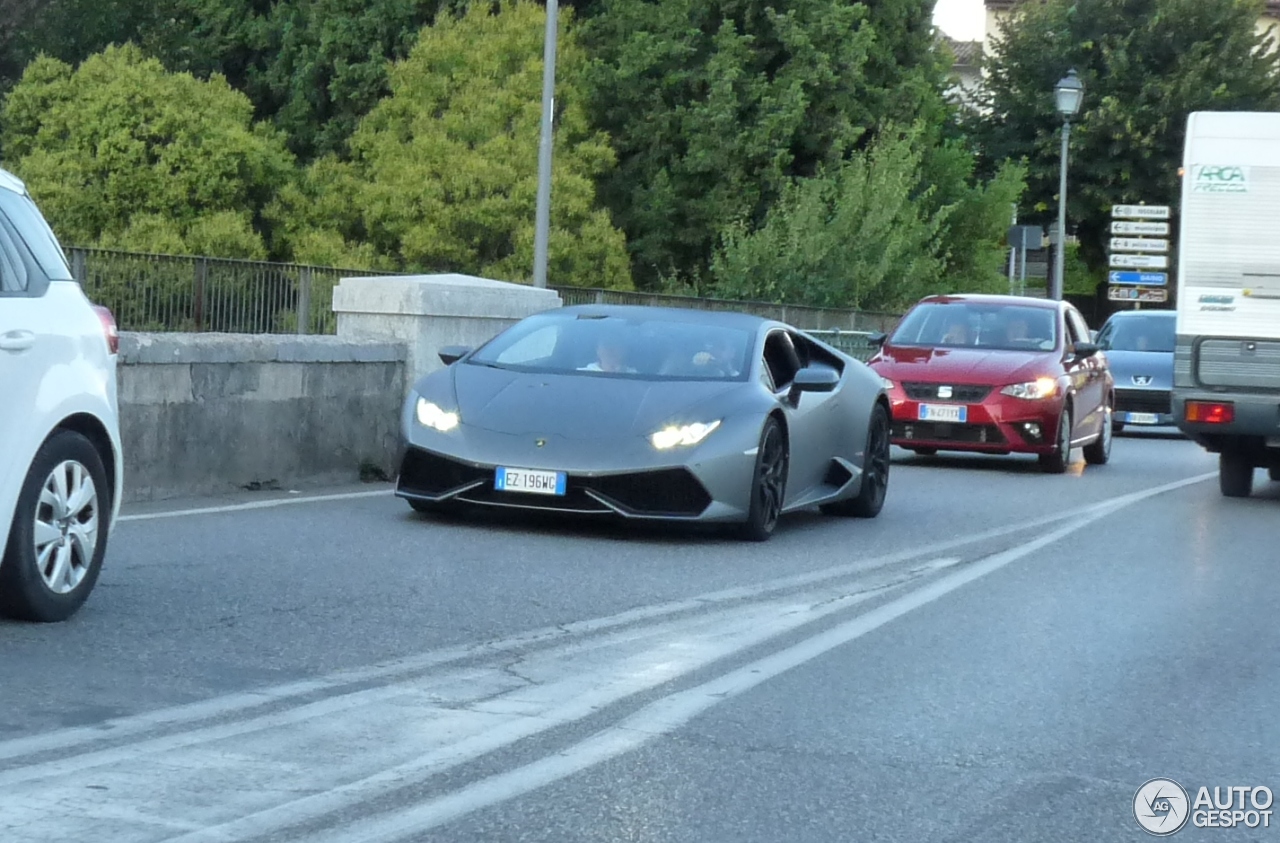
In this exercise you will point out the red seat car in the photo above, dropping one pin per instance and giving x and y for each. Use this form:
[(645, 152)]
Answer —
[(998, 375)]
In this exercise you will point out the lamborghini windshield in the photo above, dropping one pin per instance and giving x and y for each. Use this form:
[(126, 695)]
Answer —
[(614, 346)]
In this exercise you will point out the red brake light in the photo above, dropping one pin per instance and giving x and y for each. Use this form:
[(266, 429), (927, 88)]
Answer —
[(109, 329), (1210, 412)]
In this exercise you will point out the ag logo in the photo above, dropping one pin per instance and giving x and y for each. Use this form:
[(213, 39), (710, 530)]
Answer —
[(1161, 807), (1211, 178)]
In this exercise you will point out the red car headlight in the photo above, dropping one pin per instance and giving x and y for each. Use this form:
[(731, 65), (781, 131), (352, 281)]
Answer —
[(1036, 390)]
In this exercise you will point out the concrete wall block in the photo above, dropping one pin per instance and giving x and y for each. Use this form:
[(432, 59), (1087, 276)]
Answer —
[(441, 295), (347, 380), (214, 381), (139, 385), (210, 428), (165, 348), (222, 446), (429, 312)]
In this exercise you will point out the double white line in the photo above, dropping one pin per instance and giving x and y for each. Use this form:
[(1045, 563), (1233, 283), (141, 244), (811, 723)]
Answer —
[(241, 767)]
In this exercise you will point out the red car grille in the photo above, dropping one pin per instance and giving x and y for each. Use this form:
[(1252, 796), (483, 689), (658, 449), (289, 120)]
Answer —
[(963, 393), (978, 434)]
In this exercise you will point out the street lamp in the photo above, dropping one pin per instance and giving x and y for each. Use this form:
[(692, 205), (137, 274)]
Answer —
[(542, 224), (1069, 93)]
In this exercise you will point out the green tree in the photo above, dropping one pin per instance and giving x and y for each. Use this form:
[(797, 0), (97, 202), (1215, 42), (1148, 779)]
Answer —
[(852, 236), (314, 67), (1146, 65), (975, 231), (442, 175), (121, 153), (715, 105), (70, 30)]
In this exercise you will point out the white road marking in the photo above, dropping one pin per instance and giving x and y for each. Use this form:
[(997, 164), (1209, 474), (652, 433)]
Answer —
[(415, 730), (674, 711), (243, 507), (240, 704), (292, 766)]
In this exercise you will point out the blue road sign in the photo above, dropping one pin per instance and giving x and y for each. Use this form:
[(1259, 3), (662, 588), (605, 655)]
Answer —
[(1143, 279)]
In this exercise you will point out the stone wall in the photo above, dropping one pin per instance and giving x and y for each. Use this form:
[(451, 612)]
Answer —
[(214, 413)]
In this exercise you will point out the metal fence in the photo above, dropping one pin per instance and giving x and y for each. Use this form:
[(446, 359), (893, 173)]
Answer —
[(149, 292), (854, 343), (802, 316), (174, 293)]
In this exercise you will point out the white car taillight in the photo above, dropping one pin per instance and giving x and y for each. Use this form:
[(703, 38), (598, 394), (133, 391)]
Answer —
[(109, 328)]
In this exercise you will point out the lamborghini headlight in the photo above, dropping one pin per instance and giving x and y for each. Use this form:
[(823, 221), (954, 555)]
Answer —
[(1035, 390), (684, 434), (431, 415), (888, 384)]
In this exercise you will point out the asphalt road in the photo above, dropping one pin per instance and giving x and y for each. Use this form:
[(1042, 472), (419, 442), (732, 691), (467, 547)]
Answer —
[(1001, 656)]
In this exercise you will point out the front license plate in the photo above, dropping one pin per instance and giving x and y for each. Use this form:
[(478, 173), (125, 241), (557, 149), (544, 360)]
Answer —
[(1141, 418), (944, 413), (529, 480)]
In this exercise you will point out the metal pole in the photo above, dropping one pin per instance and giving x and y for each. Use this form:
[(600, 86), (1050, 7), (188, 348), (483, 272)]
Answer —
[(1059, 282), (1022, 276), (1013, 252), (543, 232)]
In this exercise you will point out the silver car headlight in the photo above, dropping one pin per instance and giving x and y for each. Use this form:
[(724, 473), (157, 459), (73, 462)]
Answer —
[(433, 416), (685, 434), (1035, 390)]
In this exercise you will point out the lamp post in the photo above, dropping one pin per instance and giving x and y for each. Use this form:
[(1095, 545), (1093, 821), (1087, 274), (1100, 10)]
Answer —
[(1069, 93), (542, 232)]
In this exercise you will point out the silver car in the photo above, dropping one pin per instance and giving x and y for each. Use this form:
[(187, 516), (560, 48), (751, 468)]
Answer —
[(649, 414), (1139, 346)]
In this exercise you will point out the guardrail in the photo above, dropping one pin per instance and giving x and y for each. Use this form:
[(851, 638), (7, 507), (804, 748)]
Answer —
[(175, 293)]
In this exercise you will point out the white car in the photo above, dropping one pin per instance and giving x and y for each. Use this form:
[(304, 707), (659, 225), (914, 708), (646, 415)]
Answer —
[(60, 458)]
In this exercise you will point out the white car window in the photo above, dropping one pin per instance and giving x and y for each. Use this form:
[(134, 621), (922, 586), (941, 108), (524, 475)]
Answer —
[(13, 274), (32, 228)]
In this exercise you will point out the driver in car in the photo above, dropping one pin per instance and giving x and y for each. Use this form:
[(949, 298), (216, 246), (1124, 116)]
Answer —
[(611, 356), (957, 333), (718, 357)]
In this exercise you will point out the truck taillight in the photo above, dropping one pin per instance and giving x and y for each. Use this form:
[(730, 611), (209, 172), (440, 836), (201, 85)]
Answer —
[(1210, 412), (109, 329)]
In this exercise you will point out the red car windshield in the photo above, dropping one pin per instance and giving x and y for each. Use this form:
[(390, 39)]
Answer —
[(999, 327)]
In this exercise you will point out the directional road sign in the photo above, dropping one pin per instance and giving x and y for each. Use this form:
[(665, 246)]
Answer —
[(1137, 294), (1140, 212), (1139, 244), (1123, 261), (1157, 229), (1140, 279)]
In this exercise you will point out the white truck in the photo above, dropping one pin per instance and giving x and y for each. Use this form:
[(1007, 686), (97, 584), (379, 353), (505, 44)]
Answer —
[(1226, 382)]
